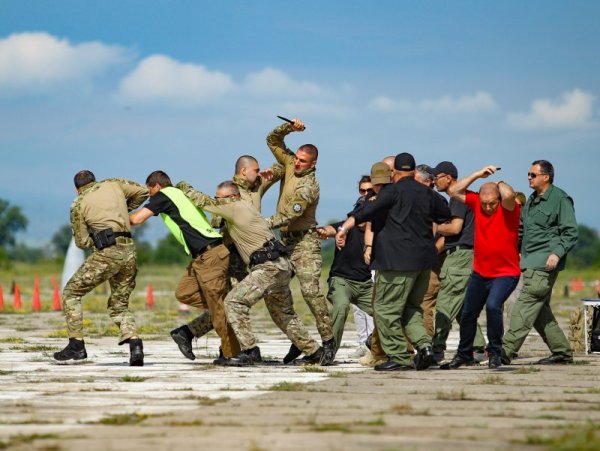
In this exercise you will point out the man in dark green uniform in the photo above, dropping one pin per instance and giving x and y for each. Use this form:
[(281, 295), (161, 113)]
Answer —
[(548, 232)]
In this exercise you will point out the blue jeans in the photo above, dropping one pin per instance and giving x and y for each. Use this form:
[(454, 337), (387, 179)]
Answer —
[(491, 292)]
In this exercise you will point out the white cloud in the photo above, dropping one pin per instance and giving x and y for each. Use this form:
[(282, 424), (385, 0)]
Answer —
[(39, 61), (479, 102), (160, 80), (573, 109), (275, 83)]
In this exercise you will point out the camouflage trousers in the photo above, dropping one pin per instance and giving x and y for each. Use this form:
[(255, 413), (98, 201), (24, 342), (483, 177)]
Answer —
[(271, 281), (306, 263), (117, 264)]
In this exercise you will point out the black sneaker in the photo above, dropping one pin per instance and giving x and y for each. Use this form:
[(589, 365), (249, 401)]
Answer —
[(495, 361), (458, 361), (183, 337), (75, 350), (329, 351), (292, 354), (136, 352)]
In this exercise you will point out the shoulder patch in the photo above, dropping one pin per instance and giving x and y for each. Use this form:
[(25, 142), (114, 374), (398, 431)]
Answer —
[(297, 207)]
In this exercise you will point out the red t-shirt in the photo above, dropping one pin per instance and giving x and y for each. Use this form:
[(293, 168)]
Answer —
[(495, 252)]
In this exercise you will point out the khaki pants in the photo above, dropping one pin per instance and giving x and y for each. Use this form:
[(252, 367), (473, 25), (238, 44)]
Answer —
[(204, 286)]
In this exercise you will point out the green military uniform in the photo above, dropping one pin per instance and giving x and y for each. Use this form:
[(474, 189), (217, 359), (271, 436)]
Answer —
[(99, 206), (296, 218), (269, 280), (456, 268), (548, 226)]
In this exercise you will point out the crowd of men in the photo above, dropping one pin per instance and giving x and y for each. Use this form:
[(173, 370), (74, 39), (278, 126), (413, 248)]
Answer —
[(409, 261)]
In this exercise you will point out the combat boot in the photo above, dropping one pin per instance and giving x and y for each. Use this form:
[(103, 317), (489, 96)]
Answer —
[(314, 358), (292, 354), (136, 352), (183, 337), (329, 351), (245, 358), (75, 350)]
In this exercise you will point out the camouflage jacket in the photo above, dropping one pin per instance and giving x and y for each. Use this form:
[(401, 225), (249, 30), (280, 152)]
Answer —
[(245, 226), (103, 205), (298, 193)]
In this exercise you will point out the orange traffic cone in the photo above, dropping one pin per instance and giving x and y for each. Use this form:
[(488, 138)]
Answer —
[(56, 297), (573, 285), (579, 284), (17, 299), (1, 299), (36, 304), (149, 298)]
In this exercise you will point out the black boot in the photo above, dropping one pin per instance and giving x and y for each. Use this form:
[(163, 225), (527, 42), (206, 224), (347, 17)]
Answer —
[(136, 352), (292, 354), (314, 358), (329, 351), (220, 361), (75, 350), (183, 337), (245, 358), (424, 358)]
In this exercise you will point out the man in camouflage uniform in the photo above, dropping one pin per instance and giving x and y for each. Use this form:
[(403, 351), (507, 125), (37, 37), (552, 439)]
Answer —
[(296, 218), (268, 277), (99, 217), (252, 184)]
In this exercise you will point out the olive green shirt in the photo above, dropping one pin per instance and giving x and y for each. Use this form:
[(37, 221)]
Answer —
[(245, 226), (548, 226), (255, 193), (103, 205), (298, 193)]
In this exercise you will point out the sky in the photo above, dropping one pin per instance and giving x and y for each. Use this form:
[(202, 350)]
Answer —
[(123, 88)]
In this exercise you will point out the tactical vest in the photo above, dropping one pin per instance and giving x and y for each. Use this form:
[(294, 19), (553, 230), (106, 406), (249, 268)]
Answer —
[(194, 216)]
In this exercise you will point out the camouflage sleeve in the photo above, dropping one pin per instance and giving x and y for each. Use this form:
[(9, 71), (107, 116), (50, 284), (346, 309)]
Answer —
[(278, 173), (275, 142), (79, 227), (305, 195), (201, 200), (135, 193)]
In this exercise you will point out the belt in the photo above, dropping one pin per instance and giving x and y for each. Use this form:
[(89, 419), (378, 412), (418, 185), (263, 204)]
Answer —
[(460, 247), (208, 247), (298, 233), (123, 239)]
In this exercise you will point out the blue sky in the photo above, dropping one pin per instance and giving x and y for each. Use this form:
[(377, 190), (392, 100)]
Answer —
[(127, 87)]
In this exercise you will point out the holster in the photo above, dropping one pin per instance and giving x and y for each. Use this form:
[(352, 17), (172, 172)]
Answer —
[(270, 251)]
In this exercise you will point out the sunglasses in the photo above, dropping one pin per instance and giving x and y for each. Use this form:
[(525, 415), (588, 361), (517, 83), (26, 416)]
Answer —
[(363, 191), (532, 175)]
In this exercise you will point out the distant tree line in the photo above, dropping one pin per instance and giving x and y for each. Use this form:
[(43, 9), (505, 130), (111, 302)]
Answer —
[(168, 251)]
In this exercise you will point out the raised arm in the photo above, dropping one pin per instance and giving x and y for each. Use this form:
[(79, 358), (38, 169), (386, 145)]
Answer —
[(458, 190), (275, 141)]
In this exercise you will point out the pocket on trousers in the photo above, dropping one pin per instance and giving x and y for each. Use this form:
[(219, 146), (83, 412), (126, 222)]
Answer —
[(539, 284)]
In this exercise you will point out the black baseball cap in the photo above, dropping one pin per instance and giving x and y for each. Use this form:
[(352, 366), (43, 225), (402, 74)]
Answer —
[(445, 167), (404, 162)]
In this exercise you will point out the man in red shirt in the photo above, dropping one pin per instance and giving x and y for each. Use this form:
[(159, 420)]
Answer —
[(496, 268)]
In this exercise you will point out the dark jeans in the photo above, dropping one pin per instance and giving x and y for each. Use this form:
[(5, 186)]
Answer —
[(491, 292)]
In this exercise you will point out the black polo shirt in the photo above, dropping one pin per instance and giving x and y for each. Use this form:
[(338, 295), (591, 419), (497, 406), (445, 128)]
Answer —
[(405, 242), (466, 236), (196, 242), (349, 263)]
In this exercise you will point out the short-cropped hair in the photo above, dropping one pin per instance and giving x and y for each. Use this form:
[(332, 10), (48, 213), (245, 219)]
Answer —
[(160, 177), (83, 177), (310, 149), (546, 168)]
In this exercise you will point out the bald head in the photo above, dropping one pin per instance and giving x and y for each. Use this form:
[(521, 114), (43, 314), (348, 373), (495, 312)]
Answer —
[(489, 197), (244, 162), (390, 161)]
